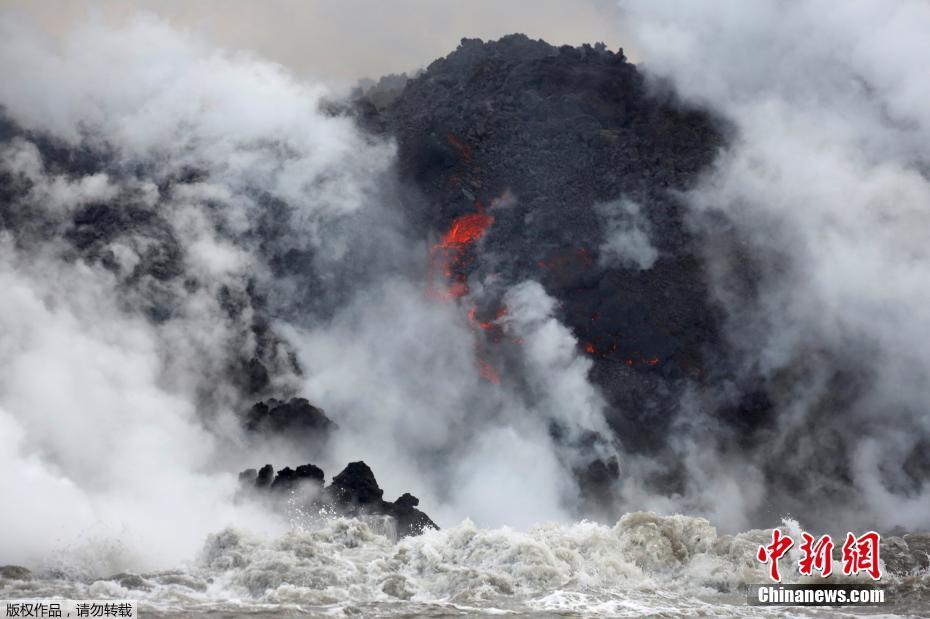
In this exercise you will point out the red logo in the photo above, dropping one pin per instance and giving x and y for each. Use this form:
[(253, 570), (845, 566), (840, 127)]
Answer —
[(774, 551), (817, 556), (860, 554)]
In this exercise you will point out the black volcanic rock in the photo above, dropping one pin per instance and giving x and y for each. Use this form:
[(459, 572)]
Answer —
[(570, 134), (353, 492), (296, 419), (287, 478), (265, 476), (356, 485)]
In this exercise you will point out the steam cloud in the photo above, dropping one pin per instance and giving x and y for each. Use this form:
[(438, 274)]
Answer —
[(127, 424), (825, 182), (627, 233), (115, 396)]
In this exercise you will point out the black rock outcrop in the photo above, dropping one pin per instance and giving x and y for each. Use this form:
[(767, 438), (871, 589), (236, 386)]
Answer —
[(296, 420), (353, 492), (566, 147)]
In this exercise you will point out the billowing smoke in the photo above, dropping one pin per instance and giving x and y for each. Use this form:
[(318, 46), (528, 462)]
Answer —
[(187, 230), (133, 268), (817, 216)]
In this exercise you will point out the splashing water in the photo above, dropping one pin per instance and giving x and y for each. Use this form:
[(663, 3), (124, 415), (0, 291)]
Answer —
[(644, 565)]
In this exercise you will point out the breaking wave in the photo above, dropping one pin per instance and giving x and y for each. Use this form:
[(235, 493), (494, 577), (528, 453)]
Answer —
[(645, 564)]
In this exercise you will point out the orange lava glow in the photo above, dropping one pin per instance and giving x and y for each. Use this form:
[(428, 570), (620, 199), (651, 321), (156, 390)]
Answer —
[(608, 351), (490, 324), (467, 229), (450, 255), (448, 260)]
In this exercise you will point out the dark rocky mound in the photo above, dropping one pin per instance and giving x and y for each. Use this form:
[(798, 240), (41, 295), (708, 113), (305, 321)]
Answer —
[(906, 554), (353, 492), (570, 134), (296, 419), (156, 284), (564, 147)]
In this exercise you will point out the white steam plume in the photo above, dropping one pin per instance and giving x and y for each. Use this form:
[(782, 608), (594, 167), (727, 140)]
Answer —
[(118, 427), (826, 180), (132, 421)]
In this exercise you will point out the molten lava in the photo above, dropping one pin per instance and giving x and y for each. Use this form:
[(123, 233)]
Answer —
[(467, 228), (490, 324), (451, 255), (448, 261)]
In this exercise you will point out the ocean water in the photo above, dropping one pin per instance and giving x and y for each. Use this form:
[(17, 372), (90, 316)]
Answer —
[(645, 565)]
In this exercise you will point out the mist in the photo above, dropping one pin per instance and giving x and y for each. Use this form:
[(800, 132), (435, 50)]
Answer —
[(116, 393), (246, 217), (825, 184)]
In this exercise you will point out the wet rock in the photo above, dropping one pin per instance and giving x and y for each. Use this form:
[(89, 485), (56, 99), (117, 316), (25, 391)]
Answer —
[(181, 580), (288, 479), (15, 572), (896, 555), (131, 581), (264, 477), (295, 420), (410, 521), (919, 546), (353, 492), (355, 485), (396, 586)]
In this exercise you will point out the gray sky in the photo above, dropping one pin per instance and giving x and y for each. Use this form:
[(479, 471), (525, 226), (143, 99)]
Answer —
[(342, 40)]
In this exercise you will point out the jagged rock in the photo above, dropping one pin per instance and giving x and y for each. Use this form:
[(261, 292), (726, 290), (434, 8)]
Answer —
[(131, 581), (295, 420), (919, 546), (355, 485), (15, 572), (287, 479), (264, 477), (296, 415), (353, 492), (410, 521)]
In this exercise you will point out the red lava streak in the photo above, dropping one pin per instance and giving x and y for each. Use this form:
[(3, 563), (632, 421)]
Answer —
[(450, 255), (467, 228), (490, 324), (449, 258)]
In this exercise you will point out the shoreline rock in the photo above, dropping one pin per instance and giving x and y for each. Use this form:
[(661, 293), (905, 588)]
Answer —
[(353, 492)]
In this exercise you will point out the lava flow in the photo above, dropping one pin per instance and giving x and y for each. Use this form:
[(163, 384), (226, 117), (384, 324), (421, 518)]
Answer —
[(450, 258), (452, 253)]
